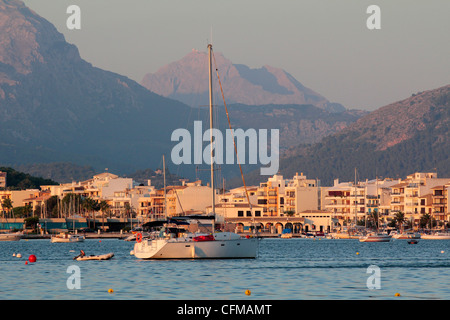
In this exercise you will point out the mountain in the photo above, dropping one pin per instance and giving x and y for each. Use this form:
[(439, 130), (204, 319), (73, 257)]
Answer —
[(298, 124), (56, 107), (62, 172), (398, 139), (16, 180), (186, 80)]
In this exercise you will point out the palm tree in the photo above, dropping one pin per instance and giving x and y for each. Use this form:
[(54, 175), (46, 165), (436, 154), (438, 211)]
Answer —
[(7, 204), (399, 219), (27, 210), (426, 219), (374, 216), (104, 206), (90, 205), (127, 209)]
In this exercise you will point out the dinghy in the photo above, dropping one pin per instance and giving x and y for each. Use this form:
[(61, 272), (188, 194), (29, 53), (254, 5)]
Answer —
[(83, 257)]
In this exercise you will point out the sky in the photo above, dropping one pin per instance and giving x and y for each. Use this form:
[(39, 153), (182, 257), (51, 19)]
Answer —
[(325, 44)]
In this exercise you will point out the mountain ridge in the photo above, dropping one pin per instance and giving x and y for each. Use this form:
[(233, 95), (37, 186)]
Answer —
[(403, 137), (57, 107), (186, 80)]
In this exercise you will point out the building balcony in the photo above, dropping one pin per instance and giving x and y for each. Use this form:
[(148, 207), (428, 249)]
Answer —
[(439, 204)]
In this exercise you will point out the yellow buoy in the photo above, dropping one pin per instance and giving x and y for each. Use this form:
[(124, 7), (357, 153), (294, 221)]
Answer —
[(110, 290), (357, 253), (397, 294), (248, 292)]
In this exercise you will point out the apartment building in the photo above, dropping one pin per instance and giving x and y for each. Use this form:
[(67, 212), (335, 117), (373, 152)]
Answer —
[(2, 180), (279, 196), (418, 194), (191, 197), (439, 202), (421, 193)]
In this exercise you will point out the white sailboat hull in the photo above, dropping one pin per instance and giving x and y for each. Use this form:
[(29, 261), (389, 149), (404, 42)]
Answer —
[(375, 238), (406, 236), (215, 249), (438, 236)]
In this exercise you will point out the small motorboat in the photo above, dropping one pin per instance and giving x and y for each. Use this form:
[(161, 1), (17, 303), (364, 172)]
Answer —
[(83, 257), (11, 236), (376, 237), (66, 237)]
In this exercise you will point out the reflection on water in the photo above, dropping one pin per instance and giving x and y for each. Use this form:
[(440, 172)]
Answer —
[(285, 269)]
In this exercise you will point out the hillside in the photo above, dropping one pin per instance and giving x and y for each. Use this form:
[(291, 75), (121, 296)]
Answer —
[(398, 139), (16, 180), (62, 172), (56, 107), (186, 80)]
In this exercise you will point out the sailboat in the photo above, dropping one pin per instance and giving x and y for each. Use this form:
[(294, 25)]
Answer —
[(376, 236), (221, 245), (437, 236), (66, 237)]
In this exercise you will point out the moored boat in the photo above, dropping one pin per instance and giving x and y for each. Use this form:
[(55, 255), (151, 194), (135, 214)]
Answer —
[(436, 236), (106, 256), (11, 236), (406, 235), (375, 237), (132, 237), (173, 242), (66, 237), (221, 245), (286, 234), (181, 245)]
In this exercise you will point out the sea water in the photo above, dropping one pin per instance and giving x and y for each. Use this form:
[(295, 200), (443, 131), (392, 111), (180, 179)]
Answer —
[(286, 269)]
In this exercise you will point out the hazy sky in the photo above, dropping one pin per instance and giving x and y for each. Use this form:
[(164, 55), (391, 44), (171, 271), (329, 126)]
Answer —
[(324, 44)]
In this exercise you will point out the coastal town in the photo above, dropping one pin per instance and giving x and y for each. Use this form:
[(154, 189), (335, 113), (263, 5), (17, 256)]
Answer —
[(109, 203)]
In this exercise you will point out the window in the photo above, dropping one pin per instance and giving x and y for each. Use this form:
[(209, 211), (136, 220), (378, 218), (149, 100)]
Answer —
[(240, 213), (249, 213), (257, 213)]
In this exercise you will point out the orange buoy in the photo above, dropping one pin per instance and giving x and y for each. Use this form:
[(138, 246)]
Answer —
[(139, 237)]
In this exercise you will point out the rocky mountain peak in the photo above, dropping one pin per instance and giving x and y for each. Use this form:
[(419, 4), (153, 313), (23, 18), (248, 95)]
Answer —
[(187, 80)]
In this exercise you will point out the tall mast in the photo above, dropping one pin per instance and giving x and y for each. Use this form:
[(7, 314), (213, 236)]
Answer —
[(356, 203), (211, 124), (165, 199)]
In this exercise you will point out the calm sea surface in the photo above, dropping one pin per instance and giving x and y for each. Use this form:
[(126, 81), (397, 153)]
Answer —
[(285, 269)]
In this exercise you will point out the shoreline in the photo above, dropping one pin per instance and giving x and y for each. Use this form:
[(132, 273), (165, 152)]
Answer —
[(121, 236)]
